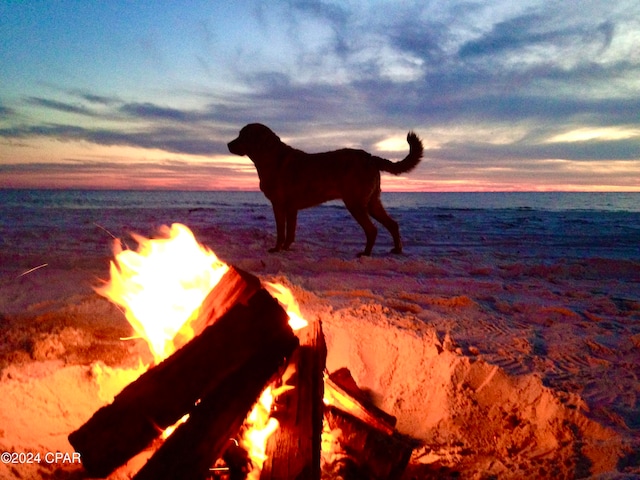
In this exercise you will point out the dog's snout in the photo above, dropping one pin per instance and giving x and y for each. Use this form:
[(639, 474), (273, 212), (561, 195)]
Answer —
[(235, 147)]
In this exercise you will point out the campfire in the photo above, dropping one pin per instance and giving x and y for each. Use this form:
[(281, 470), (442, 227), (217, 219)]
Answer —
[(237, 388)]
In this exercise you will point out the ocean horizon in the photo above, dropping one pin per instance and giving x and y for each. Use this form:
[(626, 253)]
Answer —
[(192, 199)]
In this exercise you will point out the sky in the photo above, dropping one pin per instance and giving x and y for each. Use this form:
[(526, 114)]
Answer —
[(506, 96)]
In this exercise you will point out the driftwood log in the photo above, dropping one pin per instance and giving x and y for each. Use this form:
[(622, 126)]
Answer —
[(294, 449), (243, 336)]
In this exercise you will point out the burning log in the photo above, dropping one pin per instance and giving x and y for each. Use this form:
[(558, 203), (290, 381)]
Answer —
[(203, 368), (359, 439), (195, 445), (293, 451), (236, 286), (343, 393)]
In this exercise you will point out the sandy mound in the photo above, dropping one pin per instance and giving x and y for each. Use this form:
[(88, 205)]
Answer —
[(471, 415)]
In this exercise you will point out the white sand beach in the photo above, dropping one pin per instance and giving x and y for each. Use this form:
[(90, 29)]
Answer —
[(506, 342)]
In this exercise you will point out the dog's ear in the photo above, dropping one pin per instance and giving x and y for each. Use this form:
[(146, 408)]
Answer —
[(260, 140), (257, 132)]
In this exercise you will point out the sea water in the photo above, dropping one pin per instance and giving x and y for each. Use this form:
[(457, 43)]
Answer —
[(47, 224), (544, 201)]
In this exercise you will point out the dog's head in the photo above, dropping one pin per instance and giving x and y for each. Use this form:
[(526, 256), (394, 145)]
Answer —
[(255, 140)]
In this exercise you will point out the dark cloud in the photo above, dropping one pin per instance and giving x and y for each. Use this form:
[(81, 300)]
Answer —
[(6, 112), (533, 30), (508, 108), (155, 112), (424, 39), (60, 106), (85, 95), (333, 13), (585, 73), (292, 109), (606, 31), (169, 138), (586, 151), (99, 99), (511, 34)]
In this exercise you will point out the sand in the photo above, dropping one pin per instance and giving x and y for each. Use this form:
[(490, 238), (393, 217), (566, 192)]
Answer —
[(505, 361)]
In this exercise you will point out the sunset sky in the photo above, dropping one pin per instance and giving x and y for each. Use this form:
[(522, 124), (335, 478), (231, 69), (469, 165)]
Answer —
[(527, 95)]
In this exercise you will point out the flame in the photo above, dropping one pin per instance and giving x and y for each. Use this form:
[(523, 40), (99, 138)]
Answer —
[(259, 427), (289, 303), (169, 430), (161, 286), (330, 444), (259, 424)]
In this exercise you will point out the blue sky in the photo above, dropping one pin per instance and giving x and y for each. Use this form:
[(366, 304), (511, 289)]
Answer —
[(529, 95)]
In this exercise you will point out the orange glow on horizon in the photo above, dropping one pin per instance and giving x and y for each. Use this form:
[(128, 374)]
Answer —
[(51, 164), (112, 182), (231, 183)]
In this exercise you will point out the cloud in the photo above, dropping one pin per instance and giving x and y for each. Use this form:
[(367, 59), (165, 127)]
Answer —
[(170, 139), (586, 151), (6, 112), (151, 111), (60, 106), (98, 99), (536, 30), (512, 34)]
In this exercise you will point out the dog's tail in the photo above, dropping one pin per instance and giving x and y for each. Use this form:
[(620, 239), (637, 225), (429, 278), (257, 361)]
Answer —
[(408, 163)]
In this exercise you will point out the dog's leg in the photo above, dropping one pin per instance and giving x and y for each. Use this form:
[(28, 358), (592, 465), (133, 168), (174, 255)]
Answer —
[(377, 211), (359, 212), (280, 216), (292, 221)]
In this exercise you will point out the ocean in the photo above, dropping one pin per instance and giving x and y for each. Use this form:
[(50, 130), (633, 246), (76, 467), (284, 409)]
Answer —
[(42, 225), (543, 201)]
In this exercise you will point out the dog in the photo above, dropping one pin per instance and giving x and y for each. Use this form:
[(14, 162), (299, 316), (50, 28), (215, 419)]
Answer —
[(293, 180)]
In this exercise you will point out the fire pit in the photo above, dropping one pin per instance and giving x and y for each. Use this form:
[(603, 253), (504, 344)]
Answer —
[(237, 388)]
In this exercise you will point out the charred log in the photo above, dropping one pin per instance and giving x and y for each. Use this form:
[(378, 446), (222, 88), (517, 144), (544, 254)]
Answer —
[(359, 440), (343, 393)]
